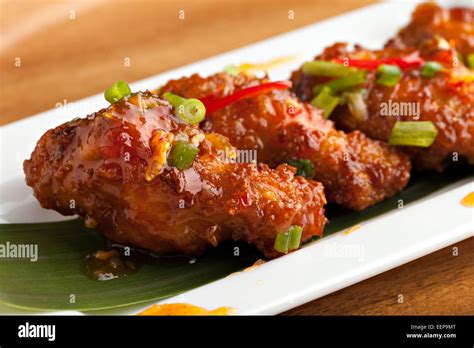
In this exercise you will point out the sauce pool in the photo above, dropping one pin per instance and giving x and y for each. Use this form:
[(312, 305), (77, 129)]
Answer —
[(184, 309)]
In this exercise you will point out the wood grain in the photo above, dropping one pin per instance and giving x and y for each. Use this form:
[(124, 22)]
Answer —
[(438, 284), (72, 49), (68, 59)]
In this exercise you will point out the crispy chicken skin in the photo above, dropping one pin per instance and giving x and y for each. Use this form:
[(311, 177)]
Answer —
[(447, 100), (430, 21), (356, 172), (112, 168)]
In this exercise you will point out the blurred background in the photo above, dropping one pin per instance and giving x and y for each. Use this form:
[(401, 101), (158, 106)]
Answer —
[(73, 49)]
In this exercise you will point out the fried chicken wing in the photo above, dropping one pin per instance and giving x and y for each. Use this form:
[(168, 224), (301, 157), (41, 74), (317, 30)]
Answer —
[(430, 21), (356, 172), (445, 99), (113, 168)]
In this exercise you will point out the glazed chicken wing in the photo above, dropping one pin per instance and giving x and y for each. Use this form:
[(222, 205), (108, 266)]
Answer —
[(429, 21), (356, 172), (444, 97), (122, 169)]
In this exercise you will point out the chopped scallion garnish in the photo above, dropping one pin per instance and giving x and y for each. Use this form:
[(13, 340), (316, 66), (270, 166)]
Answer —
[(413, 133), (173, 99), (117, 91), (326, 101), (430, 69), (282, 242), (288, 240), (328, 69), (388, 75), (470, 60), (344, 83), (191, 110), (232, 70), (182, 155), (357, 105), (304, 167), (295, 237)]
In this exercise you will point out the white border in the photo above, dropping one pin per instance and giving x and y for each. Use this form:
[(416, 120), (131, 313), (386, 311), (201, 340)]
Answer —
[(314, 271)]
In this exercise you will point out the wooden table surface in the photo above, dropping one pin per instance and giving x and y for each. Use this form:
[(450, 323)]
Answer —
[(51, 51)]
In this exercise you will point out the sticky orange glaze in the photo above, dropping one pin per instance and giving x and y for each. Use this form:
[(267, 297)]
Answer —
[(112, 167), (184, 309), (263, 66), (255, 265), (446, 99), (356, 171), (430, 20), (468, 201), (352, 229)]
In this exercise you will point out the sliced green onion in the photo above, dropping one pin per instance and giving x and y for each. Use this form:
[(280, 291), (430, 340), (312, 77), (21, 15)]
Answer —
[(328, 69), (191, 110), (117, 91), (388, 75), (173, 99), (295, 237), (413, 133), (430, 69), (304, 167), (282, 242), (357, 105), (326, 101), (288, 240), (232, 70), (470, 60), (182, 155), (344, 83)]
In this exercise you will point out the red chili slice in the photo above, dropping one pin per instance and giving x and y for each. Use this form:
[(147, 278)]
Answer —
[(373, 64), (213, 104)]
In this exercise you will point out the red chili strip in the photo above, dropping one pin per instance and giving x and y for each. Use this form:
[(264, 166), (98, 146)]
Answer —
[(373, 64), (213, 104)]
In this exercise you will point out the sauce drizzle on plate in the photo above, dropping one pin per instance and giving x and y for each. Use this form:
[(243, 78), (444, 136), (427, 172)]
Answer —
[(184, 309)]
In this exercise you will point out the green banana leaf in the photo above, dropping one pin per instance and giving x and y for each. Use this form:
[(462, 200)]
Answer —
[(58, 280)]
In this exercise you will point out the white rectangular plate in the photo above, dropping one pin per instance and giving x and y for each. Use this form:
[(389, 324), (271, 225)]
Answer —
[(320, 267)]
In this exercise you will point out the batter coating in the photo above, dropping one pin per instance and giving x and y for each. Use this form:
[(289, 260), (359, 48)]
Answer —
[(356, 172), (113, 169), (429, 21), (446, 99)]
